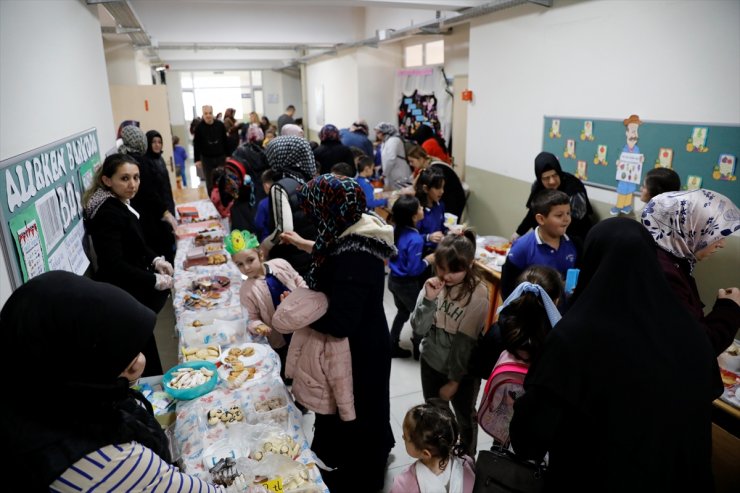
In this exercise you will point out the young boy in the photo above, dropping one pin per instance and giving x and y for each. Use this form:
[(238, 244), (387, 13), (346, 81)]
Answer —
[(262, 217), (365, 167), (546, 245), (180, 155)]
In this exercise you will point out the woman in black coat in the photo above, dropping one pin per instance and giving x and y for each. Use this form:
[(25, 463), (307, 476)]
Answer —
[(122, 255), (556, 179), (154, 200), (621, 394), (332, 151), (348, 266)]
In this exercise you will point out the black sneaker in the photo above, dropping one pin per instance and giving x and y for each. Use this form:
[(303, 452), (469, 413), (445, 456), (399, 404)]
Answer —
[(399, 352)]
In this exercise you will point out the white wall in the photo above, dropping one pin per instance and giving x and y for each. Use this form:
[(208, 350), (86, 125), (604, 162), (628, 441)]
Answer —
[(663, 60), (338, 78), (377, 72), (126, 66), (291, 94), (53, 80)]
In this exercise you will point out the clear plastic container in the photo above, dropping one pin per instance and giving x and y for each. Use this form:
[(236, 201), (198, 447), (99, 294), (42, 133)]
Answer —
[(269, 408)]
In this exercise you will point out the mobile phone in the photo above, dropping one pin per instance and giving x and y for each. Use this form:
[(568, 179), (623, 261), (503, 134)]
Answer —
[(571, 279)]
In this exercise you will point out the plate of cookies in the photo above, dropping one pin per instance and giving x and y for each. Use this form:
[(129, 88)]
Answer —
[(249, 354)]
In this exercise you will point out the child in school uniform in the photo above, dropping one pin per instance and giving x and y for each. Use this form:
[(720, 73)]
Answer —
[(365, 168), (260, 293), (430, 434), (547, 244), (262, 217), (408, 269), (180, 156), (430, 186), (449, 316)]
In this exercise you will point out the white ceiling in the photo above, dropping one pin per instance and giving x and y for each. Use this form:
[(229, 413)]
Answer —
[(239, 34)]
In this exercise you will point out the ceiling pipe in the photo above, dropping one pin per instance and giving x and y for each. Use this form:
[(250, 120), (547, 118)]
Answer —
[(440, 25)]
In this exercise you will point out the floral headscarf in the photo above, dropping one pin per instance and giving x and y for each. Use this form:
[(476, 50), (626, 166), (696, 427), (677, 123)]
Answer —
[(329, 133), (333, 203), (134, 140), (682, 223), (291, 156)]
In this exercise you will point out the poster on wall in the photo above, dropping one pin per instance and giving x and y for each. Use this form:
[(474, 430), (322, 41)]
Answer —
[(415, 110), (41, 206)]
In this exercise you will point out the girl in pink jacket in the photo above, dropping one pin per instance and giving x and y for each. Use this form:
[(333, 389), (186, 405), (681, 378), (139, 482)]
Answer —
[(431, 437), (261, 292)]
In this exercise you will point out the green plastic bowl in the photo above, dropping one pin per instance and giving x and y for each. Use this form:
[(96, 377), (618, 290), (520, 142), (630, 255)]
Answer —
[(193, 392)]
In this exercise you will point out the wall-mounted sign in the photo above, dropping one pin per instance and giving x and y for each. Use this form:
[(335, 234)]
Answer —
[(41, 206)]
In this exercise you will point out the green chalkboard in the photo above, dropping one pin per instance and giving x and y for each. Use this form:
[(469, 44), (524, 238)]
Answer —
[(713, 161)]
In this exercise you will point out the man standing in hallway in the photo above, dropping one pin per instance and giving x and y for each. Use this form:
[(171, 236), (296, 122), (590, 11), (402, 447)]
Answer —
[(286, 117), (209, 145)]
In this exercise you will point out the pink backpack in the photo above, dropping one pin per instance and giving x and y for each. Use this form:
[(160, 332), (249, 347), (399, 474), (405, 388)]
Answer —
[(504, 386)]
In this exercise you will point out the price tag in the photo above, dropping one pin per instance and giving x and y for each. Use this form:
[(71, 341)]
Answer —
[(275, 485)]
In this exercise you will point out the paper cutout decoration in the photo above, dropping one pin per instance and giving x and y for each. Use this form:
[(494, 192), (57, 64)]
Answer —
[(698, 140), (570, 149), (581, 170), (600, 157), (665, 158), (629, 168), (555, 129), (725, 169), (693, 182), (588, 131)]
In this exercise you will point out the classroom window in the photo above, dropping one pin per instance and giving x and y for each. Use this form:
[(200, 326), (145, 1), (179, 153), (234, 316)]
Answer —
[(434, 52), (431, 53), (229, 89), (414, 56)]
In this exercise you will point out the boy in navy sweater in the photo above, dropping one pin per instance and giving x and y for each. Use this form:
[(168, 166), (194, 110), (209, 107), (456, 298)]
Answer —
[(547, 244), (365, 167)]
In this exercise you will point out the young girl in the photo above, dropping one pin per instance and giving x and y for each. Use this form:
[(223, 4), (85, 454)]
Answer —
[(449, 315), (407, 269), (429, 189), (430, 435), (260, 292), (525, 319)]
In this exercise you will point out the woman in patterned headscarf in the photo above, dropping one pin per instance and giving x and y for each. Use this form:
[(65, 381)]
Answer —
[(348, 266), (689, 227), (292, 159), (332, 151)]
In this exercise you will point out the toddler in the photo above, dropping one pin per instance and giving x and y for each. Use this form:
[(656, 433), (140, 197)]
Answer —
[(430, 435)]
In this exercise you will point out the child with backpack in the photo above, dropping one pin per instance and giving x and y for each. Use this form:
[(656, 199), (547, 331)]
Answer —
[(449, 316), (525, 319), (408, 269), (430, 434)]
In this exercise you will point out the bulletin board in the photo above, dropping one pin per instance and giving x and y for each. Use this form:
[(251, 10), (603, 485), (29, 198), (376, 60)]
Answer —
[(41, 206), (703, 155)]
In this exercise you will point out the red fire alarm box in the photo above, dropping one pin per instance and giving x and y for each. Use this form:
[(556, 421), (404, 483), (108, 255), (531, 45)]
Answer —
[(467, 95)]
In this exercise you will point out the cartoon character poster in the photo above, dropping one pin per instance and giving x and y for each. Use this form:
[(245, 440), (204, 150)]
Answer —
[(629, 167)]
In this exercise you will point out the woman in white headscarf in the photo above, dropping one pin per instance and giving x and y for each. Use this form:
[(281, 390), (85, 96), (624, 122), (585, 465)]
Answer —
[(396, 169), (689, 227)]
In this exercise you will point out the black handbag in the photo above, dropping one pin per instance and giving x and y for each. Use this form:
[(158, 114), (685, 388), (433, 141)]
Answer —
[(500, 471)]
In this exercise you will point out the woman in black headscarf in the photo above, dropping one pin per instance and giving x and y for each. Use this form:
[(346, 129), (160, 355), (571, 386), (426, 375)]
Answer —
[(621, 395), (332, 151), (75, 424), (551, 176), (154, 201), (348, 266)]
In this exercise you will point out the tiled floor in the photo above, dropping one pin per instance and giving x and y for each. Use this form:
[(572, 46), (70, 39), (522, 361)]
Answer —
[(405, 385)]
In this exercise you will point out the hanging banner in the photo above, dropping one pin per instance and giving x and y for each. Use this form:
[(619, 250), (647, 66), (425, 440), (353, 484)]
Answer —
[(41, 206)]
